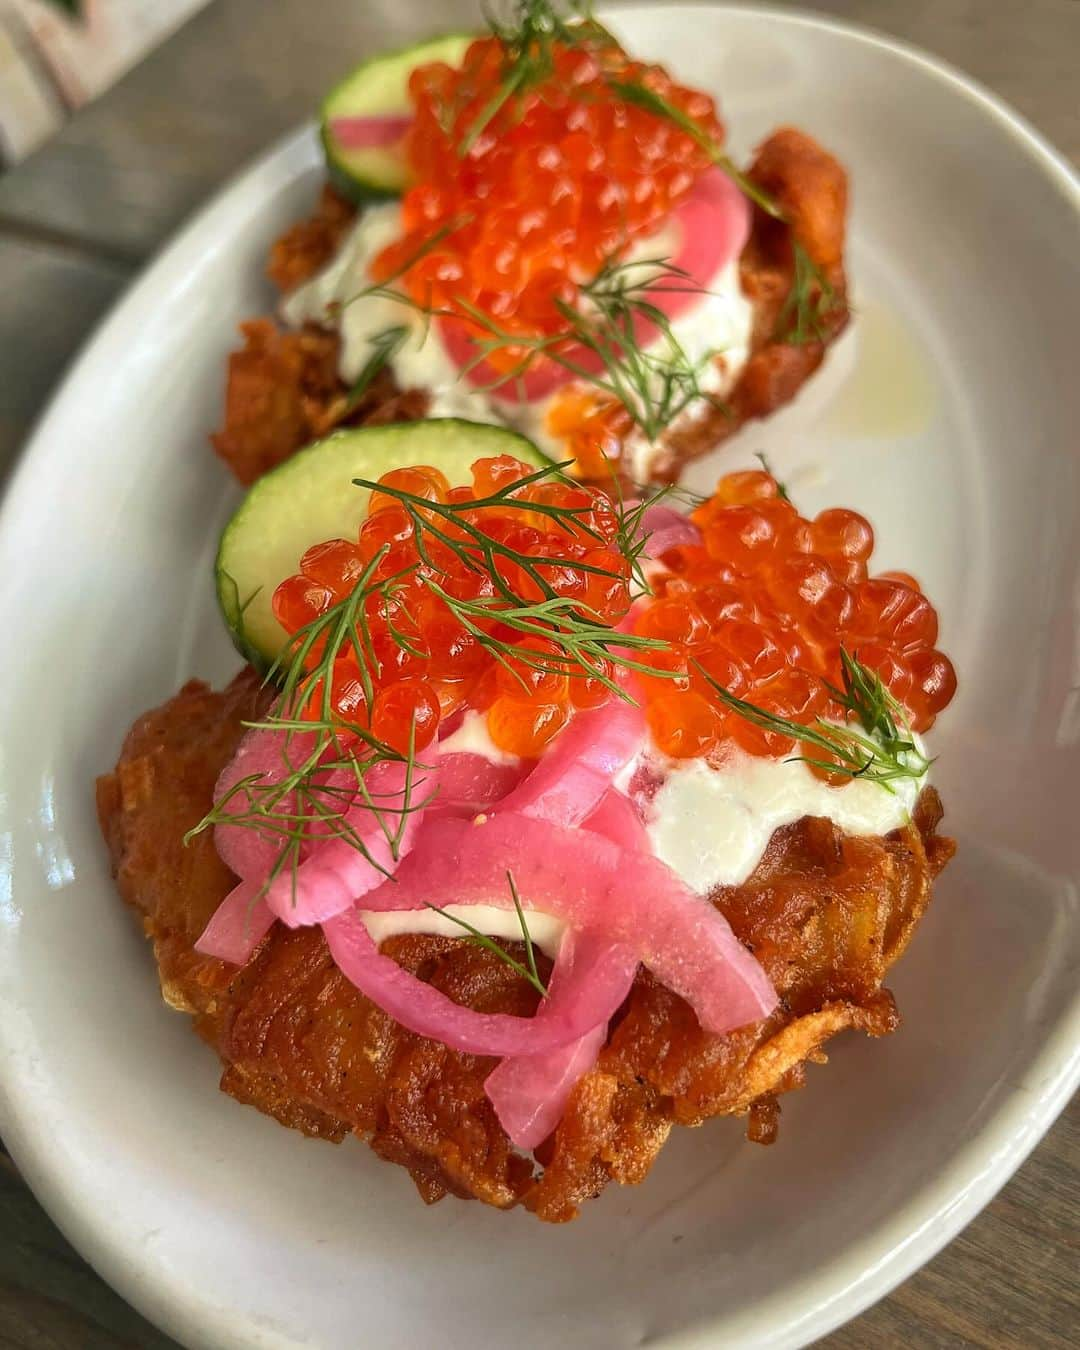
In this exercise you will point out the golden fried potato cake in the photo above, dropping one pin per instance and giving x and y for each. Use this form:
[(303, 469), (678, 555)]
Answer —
[(283, 390), (825, 913)]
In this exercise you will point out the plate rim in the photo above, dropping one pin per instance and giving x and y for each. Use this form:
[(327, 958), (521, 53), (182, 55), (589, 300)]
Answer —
[(913, 1234)]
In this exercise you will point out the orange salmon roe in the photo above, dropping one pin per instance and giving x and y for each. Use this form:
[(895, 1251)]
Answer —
[(764, 605), (440, 667), (561, 179), (592, 425)]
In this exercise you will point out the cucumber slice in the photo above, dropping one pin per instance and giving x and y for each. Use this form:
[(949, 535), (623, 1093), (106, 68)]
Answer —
[(310, 498), (379, 88)]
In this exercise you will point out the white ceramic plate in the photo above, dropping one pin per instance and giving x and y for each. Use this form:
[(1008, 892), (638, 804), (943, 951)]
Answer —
[(949, 416)]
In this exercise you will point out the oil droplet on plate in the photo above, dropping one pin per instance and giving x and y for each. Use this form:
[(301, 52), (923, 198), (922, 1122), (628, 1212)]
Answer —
[(891, 389)]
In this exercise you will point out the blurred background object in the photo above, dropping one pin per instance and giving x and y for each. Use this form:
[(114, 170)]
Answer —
[(56, 55)]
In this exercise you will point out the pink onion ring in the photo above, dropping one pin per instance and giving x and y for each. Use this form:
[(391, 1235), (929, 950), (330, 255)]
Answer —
[(423, 1009), (570, 780), (332, 872), (266, 757), (237, 927), (666, 528), (530, 1092), (369, 133), (617, 818), (337, 873), (472, 781), (576, 875)]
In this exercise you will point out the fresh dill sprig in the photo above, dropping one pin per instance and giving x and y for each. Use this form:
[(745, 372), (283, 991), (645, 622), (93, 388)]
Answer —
[(643, 97), (632, 537), (529, 36), (384, 347), (584, 644), (385, 287), (304, 802), (651, 495), (881, 753), (528, 971), (530, 955), (654, 384), (812, 300), (234, 610), (319, 744), (866, 698)]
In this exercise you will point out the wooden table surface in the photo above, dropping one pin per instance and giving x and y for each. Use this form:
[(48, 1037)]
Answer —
[(81, 216)]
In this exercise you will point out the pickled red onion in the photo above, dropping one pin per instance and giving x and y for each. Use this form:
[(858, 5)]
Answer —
[(576, 875), (530, 1092), (338, 873), (369, 133), (265, 757), (471, 781), (665, 528), (423, 1009), (570, 780), (617, 818), (333, 872), (238, 925)]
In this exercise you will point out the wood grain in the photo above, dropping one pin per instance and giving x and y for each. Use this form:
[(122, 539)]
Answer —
[(50, 1299), (1008, 1282), (103, 196)]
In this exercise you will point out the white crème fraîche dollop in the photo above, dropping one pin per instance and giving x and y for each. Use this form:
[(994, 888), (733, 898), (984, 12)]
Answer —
[(711, 825), (719, 322)]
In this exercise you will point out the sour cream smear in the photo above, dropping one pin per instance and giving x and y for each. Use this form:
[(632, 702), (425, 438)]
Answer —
[(719, 323), (711, 824)]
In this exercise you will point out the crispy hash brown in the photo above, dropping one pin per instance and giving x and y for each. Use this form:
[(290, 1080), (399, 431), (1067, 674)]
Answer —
[(283, 390), (825, 913)]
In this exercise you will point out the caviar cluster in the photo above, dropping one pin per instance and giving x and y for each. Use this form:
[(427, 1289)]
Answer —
[(592, 426), (763, 606), (426, 665), (562, 178)]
